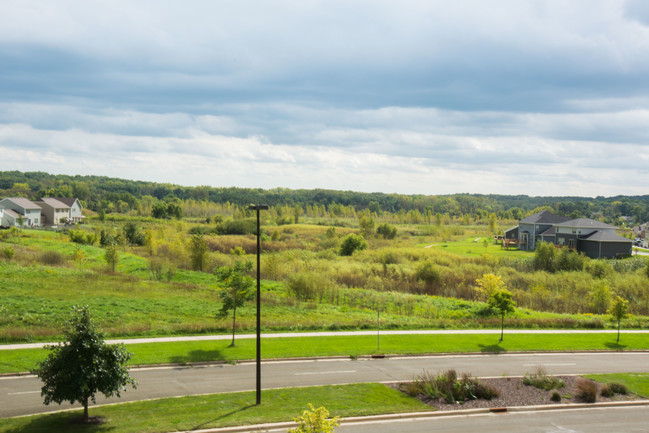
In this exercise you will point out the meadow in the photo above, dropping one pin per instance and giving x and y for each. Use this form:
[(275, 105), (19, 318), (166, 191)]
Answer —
[(425, 276)]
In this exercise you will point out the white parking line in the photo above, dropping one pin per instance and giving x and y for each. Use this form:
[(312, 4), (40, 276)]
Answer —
[(545, 365), (326, 372), (23, 392)]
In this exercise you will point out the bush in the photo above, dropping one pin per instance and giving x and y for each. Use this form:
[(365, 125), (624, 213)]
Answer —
[(448, 386), (9, 252), (606, 391), (386, 231), (237, 227), (542, 380), (556, 397), (51, 258), (352, 243), (618, 388), (82, 237), (315, 421), (586, 390)]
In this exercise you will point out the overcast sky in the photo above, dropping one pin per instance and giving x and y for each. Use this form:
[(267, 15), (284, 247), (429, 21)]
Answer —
[(415, 97)]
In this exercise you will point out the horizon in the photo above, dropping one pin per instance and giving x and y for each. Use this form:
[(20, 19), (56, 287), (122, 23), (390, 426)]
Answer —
[(543, 99)]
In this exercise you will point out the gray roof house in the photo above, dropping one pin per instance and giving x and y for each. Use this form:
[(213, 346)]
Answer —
[(75, 208), (593, 238), (27, 209), (54, 211)]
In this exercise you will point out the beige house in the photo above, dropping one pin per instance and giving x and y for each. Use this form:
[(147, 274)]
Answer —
[(54, 211)]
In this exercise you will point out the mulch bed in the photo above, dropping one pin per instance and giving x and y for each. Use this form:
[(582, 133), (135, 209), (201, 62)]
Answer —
[(512, 392)]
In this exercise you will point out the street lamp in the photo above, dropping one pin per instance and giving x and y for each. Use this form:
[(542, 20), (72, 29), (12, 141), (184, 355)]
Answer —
[(258, 207)]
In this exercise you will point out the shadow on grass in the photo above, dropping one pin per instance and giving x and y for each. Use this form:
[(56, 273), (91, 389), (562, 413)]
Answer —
[(492, 348), (225, 415), (198, 356), (60, 422), (615, 346)]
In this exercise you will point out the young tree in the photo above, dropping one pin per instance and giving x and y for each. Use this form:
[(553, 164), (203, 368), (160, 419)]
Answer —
[(315, 421), (488, 284), (111, 255), (352, 243), (198, 252), (544, 257), (238, 289), (619, 310), (83, 365), (501, 300)]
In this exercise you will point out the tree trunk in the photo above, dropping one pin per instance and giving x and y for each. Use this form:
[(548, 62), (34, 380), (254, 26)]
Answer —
[(234, 320), (502, 326), (85, 410), (618, 331)]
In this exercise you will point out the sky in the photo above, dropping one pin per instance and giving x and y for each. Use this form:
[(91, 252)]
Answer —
[(412, 96)]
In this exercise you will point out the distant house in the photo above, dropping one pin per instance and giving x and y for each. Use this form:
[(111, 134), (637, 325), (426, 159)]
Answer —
[(54, 211), (75, 208), (593, 238), (20, 207)]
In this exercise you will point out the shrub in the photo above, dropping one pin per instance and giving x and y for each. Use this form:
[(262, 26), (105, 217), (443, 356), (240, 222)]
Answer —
[(315, 421), (606, 391), (586, 390), (618, 388), (542, 380), (9, 252), (352, 243), (51, 258), (448, 386), (237, 227), (386, 231), (82, 237), (556, 397)]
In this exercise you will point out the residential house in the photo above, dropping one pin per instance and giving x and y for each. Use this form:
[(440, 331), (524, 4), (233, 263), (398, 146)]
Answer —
[(593, 238), (75, 208), (54, 211), (29, 211)]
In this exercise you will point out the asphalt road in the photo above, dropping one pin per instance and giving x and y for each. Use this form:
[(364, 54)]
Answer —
[(604, 420), (21, 395)]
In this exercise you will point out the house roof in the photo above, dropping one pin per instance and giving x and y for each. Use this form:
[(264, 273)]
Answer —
[(511, 228), (586, 223), (24, 203), (544, 217), (68, 200), (551, 231), (14, 214), (606, 236), (54, 203)]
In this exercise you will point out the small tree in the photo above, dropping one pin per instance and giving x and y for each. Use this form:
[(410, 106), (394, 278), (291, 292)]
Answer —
[(111, 255), (352, 243), (619, 310), (544, 257), (198, 252), (83, 365), (501, 300), (238, 289), (488, 284), (315, 421)]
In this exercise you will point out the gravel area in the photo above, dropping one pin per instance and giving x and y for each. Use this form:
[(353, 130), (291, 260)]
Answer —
[(512, 392)]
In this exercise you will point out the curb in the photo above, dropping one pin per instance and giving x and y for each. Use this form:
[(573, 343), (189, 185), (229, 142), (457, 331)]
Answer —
[(432, 414)]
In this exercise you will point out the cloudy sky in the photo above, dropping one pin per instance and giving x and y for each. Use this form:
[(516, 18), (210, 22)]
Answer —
[(409, 96)]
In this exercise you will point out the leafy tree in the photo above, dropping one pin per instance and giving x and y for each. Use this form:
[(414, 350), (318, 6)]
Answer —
[(386, 231), (366, 224), (198, 252), (83, 365), (352, 243), (619, 310), (159, 210), (238, 289), (429, 274), (315, 421), (111, 255), (544, 257), (488, 284), (133, 234), (501, 300)]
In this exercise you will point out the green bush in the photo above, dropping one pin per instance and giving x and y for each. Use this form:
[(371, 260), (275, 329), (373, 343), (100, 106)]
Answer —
[(386, 231), (52, 258), (352, 243), (449, 387), (9, 252), (556, 397), (606, 391), (618, 388), (315, 421), (82, 237)]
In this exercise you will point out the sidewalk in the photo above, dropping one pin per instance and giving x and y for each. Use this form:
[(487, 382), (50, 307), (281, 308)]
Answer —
[(335, 334)]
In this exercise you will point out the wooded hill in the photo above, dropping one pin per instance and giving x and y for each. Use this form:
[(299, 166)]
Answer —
[(122, 195)]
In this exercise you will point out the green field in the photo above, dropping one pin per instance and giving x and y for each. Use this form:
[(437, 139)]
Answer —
[(13, 361)]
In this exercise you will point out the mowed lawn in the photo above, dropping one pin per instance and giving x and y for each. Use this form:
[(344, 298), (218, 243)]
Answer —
[(21, 360)]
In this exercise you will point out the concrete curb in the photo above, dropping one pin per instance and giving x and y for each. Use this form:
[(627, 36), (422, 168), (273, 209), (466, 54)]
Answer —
[(432, 414)]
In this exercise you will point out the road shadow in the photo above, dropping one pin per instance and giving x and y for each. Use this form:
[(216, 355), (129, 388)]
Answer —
[(225, 415), (615, 346), (198, 356), (492, 348)]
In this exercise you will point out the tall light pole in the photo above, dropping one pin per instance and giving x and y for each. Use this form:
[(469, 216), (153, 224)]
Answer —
[(258, 207)]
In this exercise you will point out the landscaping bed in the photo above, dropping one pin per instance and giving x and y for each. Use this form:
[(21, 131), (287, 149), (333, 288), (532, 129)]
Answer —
[(512, 392)]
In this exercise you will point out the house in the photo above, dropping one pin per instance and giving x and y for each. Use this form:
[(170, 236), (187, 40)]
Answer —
[(54, 211), (20, 207), (75, 208), (593, 238)]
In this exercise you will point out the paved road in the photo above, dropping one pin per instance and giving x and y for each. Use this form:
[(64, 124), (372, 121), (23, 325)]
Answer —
[(605, 420), (21, 395)]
